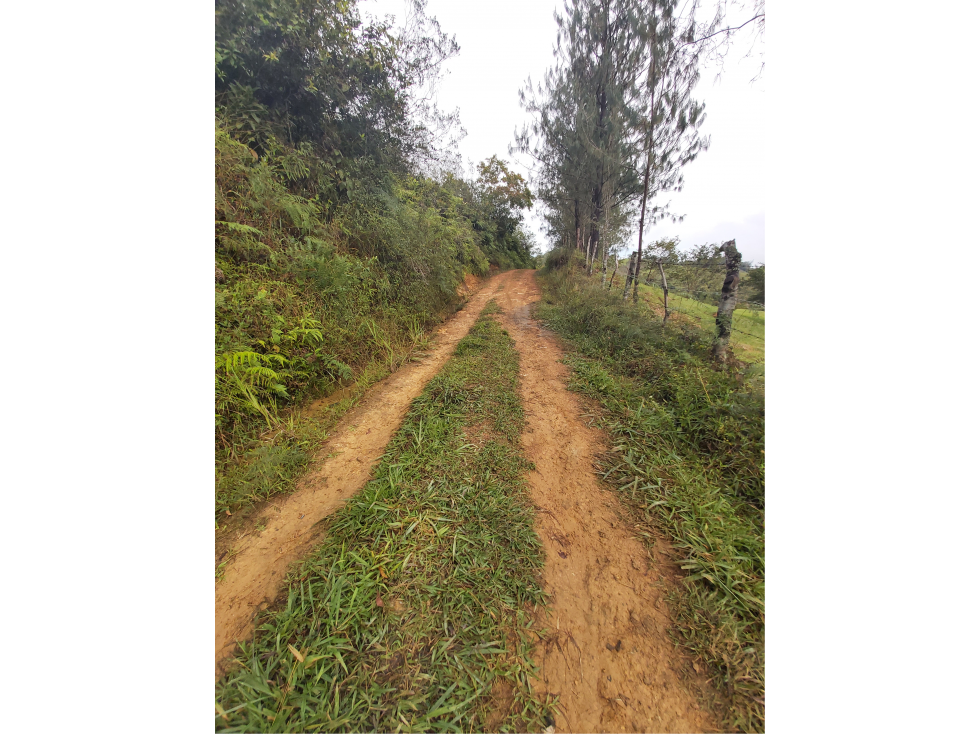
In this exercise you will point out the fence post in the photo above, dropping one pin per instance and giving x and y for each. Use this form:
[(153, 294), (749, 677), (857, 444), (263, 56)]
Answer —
[(628, 279), (666, 292), (729, 298)]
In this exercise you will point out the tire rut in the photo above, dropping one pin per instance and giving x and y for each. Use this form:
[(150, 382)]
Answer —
[(261, 560), (607, 652)]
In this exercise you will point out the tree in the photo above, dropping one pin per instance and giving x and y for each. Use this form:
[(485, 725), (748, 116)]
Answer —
[(716, 36), (614, 121), (582, 137), (312, 71), (754, 282), (670, 136)]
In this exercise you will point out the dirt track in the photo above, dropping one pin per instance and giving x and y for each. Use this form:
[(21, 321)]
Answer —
[(607, 654), (252, 578)]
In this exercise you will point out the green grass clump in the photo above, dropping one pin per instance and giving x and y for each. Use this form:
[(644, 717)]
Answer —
[(688, 458), (414, 613)]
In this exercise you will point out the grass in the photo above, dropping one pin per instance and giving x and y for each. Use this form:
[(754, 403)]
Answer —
[(687, 459), (277, 458), (415, 613), (748, 339)]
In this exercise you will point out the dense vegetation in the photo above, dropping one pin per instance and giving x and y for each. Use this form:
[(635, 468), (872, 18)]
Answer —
[(343, 230), (688, 457)]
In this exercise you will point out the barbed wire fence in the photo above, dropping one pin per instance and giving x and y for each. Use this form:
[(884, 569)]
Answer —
[(700, 304)]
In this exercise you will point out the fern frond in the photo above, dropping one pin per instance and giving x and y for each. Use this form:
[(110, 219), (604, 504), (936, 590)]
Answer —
[(263, 376), (241, 228), (340, 369)]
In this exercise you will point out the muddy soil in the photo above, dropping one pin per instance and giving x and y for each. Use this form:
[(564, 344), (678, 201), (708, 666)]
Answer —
[(607, 653)]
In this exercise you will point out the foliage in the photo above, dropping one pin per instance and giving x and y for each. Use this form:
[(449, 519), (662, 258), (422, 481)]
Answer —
[(334, 252), (754, 284), (309, 71), (306, 299), (688, 456), (412, 611), (613, 122)]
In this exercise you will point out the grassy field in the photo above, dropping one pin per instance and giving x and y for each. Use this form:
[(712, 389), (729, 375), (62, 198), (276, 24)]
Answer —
[(748, 339), (687, 458), (414, 614)]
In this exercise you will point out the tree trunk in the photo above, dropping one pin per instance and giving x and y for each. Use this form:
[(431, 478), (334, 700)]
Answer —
[(577, 228), (642, 222), (666, 292), (592, 246), (615, 271), (628, 279), (605, 247), (596, 215), (729, 298), (649, 149)]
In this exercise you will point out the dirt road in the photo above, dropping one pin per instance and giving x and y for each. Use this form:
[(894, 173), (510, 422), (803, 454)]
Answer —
[(255, 573), (608, 653)]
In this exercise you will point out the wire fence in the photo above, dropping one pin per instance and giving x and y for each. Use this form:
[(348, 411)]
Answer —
[(700, 302)]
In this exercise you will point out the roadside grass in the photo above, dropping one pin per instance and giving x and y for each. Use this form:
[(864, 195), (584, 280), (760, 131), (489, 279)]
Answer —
[(415, 614), (688, 459), (276, 459)]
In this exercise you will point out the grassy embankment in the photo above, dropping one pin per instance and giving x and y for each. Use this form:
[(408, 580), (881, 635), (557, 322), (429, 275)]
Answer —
[(308, 301)]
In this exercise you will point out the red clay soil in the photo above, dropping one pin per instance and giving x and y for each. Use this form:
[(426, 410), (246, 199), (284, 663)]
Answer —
[(607, 653)]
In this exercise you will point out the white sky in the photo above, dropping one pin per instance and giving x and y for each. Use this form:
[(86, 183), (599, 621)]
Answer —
[(505, 42)]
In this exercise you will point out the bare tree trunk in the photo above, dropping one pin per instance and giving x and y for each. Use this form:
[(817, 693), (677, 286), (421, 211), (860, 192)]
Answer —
[(615, 271), (729, 298), (628, 279), (596, 215), (592, 246), (666, 292), (649, 150), (605, 247), (577, 228)]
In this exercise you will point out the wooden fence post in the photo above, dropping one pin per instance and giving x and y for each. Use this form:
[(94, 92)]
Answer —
[(666, 292), (729, 298)]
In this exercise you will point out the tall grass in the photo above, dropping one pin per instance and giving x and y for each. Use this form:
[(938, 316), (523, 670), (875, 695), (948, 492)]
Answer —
[(688, 459)]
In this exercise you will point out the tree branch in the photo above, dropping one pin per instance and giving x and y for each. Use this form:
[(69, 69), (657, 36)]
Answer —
[(725, 30)]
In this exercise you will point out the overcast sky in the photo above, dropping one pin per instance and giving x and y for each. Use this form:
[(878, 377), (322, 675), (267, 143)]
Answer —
[(505, 42)]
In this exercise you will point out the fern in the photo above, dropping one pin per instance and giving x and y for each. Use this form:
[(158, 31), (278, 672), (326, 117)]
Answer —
[(241, 228), (234, 360), (340, 370), (252, 376)]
